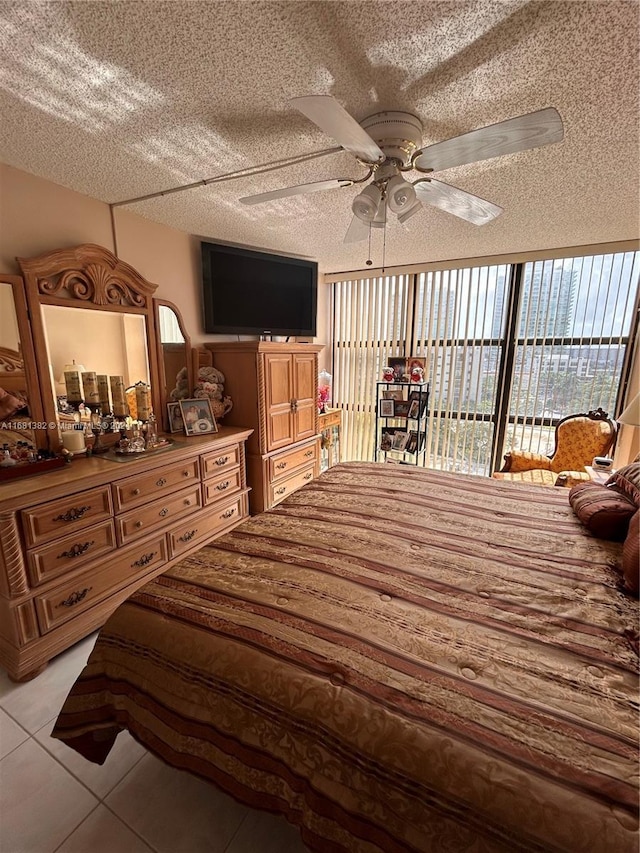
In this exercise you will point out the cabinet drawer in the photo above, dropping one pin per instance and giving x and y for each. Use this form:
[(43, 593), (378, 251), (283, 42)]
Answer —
[(282, 488), (70, 552), (221, 460), (157, 514), (284, 463), (65, 515), (138, 490), (204, 525), (218, 487), (76, 596)]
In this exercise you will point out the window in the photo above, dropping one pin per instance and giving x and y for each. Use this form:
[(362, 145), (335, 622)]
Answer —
[(510, 349)]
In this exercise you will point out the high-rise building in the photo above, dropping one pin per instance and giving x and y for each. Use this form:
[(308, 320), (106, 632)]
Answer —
[(547, 301)]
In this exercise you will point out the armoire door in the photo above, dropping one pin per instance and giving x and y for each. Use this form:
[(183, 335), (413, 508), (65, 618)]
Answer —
[(278, 376), (305, 393)]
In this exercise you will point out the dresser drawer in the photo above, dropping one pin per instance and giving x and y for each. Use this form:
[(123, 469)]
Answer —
[(221, 460), (70, 552), (218, 487), (135, 491), (65, 515), (282, 488), (282, 464), (152, 516), (90, 587), (204, 525)]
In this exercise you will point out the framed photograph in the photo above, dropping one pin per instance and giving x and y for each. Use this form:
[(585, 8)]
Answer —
[(421, 400), (387, 408), (198, 417), (386, 438), (401, 408), (400, 439), (176, 424), (399, 365), (395, 394), (414, 409), (416, 361), (412, 442)]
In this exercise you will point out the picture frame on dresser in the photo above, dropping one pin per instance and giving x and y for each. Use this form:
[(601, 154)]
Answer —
[(176, 421), (198, 417)]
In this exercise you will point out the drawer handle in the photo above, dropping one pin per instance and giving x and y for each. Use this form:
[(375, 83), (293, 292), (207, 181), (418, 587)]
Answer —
[(228, 513), (161, 482), (164, 512), (308, 476), (75, 597), (187, 501), (222, 460), (281, 465), (187, 537), (186, 473), (135, 491), (138, 524), (144, 560), (222, 486), (281, 490), (77, 550), (73, 514), (309, 454)]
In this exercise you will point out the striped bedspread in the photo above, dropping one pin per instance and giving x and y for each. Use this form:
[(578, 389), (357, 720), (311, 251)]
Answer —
[(395, 659)]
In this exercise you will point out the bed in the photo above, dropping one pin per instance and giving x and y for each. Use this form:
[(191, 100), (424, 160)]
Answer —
[(395, 659)]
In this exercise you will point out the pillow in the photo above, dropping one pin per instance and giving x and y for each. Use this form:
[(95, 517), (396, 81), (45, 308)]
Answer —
[(9, 404), (631, 556), (627, 480), (603, 511)]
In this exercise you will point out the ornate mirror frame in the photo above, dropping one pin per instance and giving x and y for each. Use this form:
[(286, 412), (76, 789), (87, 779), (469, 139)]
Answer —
[(91, 277), (165, 380)]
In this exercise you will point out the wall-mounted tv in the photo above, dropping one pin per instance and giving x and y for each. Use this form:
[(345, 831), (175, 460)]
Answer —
[(253, 293)]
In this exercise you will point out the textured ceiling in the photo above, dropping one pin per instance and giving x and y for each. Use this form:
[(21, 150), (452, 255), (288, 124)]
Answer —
[(121, 99)]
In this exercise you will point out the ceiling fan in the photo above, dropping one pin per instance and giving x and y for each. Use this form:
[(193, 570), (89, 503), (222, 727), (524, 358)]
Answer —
[(388, 144)]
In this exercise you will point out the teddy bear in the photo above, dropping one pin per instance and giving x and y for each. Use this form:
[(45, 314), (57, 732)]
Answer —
[(181, 391), (211, 386)]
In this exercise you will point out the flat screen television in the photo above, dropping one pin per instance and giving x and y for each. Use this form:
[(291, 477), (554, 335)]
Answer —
[(255, 293)]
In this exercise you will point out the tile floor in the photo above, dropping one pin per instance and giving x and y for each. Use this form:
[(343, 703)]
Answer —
[(53, 801)]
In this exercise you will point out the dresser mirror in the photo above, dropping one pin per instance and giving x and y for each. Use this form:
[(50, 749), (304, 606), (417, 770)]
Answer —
[(174, 354), (21, 415), (90, 308)]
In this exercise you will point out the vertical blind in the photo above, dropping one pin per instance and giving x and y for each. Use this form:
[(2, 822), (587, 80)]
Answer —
[(510, 349)]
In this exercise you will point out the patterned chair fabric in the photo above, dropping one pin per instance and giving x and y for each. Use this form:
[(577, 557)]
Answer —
[(578, 439)]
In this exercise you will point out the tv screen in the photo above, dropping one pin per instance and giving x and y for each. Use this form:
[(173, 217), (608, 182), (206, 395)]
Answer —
[(253, 293)]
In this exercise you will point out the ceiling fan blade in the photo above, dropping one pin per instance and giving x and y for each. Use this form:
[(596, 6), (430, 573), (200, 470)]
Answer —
[(357, 231), (334, 120), (532, 130), (300, 189), (476, 210)]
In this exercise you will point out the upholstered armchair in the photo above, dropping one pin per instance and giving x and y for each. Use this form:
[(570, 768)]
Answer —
[(578, 439)]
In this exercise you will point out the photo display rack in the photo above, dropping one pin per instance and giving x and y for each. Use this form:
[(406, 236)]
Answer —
[(402, 409)]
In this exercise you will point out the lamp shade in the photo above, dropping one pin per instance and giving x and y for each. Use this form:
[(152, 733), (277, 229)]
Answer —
[(631, 414), (365, 204), (401, 194)]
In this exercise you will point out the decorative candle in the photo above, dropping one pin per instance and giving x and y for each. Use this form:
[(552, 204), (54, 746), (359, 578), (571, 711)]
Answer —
[(103, 394), (142, 401), (72, 384), (73, 440), (90, 387), (118, 396)]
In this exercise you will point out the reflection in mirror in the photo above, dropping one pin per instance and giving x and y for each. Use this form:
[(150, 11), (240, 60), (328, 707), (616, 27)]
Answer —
[(174, 352), (15, 413), (112, 344)]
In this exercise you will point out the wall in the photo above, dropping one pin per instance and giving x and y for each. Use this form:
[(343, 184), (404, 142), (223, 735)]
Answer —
[(38, 216)]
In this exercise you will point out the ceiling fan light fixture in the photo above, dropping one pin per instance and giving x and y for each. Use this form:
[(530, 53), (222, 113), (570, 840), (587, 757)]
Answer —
[(400, 194), (365, 204)]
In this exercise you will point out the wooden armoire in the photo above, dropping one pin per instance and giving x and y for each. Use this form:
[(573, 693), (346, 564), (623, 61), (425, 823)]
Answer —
[(274, 390)]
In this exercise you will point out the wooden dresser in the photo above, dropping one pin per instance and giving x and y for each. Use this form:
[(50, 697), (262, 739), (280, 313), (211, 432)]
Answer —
[(274, 390), (76, 542)]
